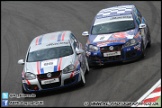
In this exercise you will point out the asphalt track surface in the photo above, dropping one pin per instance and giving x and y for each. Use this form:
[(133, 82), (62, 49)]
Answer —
[(22, 21)]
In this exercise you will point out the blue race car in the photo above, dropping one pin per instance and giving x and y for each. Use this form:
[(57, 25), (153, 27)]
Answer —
[(118, 33)]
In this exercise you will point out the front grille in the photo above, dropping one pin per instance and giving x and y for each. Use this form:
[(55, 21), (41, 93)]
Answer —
[(44, 76), (112, 58), (106, 49), (47, 86)]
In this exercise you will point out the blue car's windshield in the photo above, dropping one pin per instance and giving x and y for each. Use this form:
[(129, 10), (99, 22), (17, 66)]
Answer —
[(112, 27)]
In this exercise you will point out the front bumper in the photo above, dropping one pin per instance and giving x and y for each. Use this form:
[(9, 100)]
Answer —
[(65, 80), (127, 54)]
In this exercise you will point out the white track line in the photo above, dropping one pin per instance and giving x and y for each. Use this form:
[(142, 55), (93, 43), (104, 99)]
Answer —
[(147, 93)]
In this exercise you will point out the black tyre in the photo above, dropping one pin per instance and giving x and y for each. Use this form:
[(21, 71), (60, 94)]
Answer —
[(82, 83), (23, 91), (143, 50), (87, 66), (149, 38)]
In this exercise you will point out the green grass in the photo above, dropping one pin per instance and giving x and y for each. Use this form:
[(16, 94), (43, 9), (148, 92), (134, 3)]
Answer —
[(159, 103)]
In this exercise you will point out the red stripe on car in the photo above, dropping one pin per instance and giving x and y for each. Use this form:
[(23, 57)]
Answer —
[(28, 82), (63, 35), (37, 41), (38, 67), (59, 64)]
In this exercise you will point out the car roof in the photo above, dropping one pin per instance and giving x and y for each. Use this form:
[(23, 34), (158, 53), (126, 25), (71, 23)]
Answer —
[(107, 13), (42, 41)]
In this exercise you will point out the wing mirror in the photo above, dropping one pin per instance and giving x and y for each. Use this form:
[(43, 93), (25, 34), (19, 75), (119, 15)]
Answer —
[(79, 51), (21, 62), (142, 25), (85, 33)]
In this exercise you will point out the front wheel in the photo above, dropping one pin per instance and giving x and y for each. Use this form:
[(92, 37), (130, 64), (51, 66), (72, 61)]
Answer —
[(87, 66), (149, 43), (23, 91), (82, 82), (143, 50), (149, 39)]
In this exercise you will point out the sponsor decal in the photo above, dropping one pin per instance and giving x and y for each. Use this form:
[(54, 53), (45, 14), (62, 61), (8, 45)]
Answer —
[(57, 43), (119, 35), (49, 63), (99, 44), (102, 38), (121, 17), (130, 36)]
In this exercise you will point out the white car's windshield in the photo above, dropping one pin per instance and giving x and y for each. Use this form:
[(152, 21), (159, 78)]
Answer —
[(49, 53), (112, 27)]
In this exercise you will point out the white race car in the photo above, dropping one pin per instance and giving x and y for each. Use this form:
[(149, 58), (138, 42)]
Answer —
[(53, 60)]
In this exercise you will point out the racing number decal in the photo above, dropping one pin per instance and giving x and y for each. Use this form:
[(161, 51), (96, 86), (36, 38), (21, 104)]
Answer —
[(49, 63)]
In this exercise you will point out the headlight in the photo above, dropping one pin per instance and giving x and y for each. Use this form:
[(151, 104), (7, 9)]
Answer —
[(68, 69), (130, 42), (92, 48), (29, 76)]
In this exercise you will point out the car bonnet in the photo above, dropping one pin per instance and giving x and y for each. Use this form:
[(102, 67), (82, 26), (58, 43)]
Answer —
[(46, 66), (111, 39)]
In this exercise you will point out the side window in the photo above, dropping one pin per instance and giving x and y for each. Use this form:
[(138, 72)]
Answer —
[(75, 42), (137, 18), (139, 14)]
